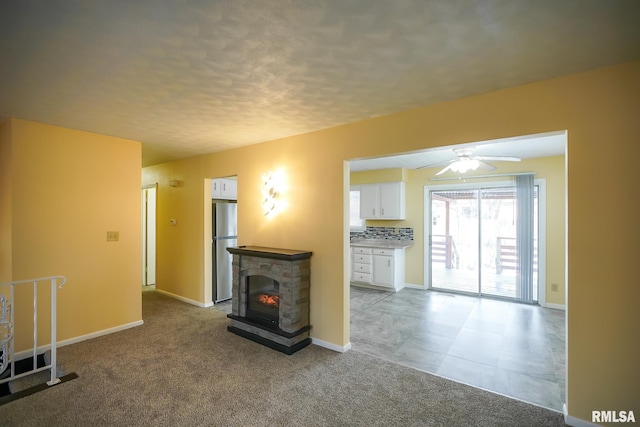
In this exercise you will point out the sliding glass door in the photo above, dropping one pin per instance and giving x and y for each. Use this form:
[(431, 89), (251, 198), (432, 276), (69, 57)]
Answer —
[(477, 245)]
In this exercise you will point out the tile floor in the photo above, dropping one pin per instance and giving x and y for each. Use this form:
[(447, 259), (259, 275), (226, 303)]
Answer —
[(513, 349)]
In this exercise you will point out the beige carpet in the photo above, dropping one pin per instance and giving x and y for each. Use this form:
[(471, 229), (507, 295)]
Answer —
[(182, 368)]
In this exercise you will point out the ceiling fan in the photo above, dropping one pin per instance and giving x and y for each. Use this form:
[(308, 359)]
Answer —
[(465, 162)]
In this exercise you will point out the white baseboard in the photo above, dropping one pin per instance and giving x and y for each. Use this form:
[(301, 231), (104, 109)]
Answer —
[(573, 421), (43, 348), (555, 306), (331, 346), (183, 299), (413, 286)]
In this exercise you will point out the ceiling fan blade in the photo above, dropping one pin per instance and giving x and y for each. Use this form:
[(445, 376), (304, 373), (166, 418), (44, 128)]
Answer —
[(499, 158), (485, 166), (445, 169), (436, 164)]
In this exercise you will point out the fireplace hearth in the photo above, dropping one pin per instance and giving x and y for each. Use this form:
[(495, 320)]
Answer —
[(270, 297)]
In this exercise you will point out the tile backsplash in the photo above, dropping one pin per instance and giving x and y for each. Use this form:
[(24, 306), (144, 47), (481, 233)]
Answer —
[(388, 233)]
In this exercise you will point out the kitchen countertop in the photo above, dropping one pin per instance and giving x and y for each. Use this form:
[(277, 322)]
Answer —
[(382, 243)]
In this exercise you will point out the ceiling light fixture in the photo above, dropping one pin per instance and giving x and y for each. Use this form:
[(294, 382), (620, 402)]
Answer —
[(464, 165), (466, 161)]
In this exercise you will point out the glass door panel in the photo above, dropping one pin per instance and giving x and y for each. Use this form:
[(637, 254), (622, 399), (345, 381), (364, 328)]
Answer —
[(498, 236), (454, 240)]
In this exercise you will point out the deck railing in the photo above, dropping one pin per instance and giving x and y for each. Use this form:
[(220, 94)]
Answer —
[(507, 256), (7, 322), (443, 249)]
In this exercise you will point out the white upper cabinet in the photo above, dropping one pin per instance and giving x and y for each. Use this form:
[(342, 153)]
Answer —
[(224, 188), (369, 201), (382, 201), (392, 201)]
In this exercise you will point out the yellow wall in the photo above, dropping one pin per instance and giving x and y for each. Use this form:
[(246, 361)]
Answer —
[(182, 254), (378, 175), (600, 111), (5, 202), (551, 169), (68, 188)]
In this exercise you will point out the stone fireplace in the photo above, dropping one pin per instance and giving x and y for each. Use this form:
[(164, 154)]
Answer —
[(270, 297)]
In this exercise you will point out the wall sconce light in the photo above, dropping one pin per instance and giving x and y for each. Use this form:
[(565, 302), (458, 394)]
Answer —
[(269, 193)]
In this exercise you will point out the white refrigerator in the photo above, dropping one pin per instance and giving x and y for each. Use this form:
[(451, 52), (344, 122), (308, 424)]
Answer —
[(225, 235)]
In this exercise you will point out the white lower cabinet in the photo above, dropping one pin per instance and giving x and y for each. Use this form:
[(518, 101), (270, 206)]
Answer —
[(383, 269), (361, 265), (378, 267)]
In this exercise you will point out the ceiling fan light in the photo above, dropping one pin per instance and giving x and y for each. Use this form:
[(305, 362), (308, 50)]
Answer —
[(465, 165)]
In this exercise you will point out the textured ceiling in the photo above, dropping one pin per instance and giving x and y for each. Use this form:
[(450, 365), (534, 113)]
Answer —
[(192, 77)]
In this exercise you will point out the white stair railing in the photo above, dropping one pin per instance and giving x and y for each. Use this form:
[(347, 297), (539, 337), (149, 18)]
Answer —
[(7, 322)]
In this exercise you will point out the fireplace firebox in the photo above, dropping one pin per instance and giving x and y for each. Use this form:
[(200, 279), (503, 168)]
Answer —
[(263, 299), (270, 297)]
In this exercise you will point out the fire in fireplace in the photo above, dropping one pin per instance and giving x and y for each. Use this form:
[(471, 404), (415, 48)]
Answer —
[(270, 300), (263, 299)]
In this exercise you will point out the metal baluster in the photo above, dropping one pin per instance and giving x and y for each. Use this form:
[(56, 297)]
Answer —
[(35, 325), (54, 344)]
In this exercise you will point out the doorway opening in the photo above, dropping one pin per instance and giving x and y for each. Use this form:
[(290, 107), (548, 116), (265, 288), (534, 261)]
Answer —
[(221, 228), (498, 344), (149, 206)]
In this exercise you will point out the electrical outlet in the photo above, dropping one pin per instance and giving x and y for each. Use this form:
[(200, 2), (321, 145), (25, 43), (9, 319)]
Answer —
[(113, 236), (554, 287)]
